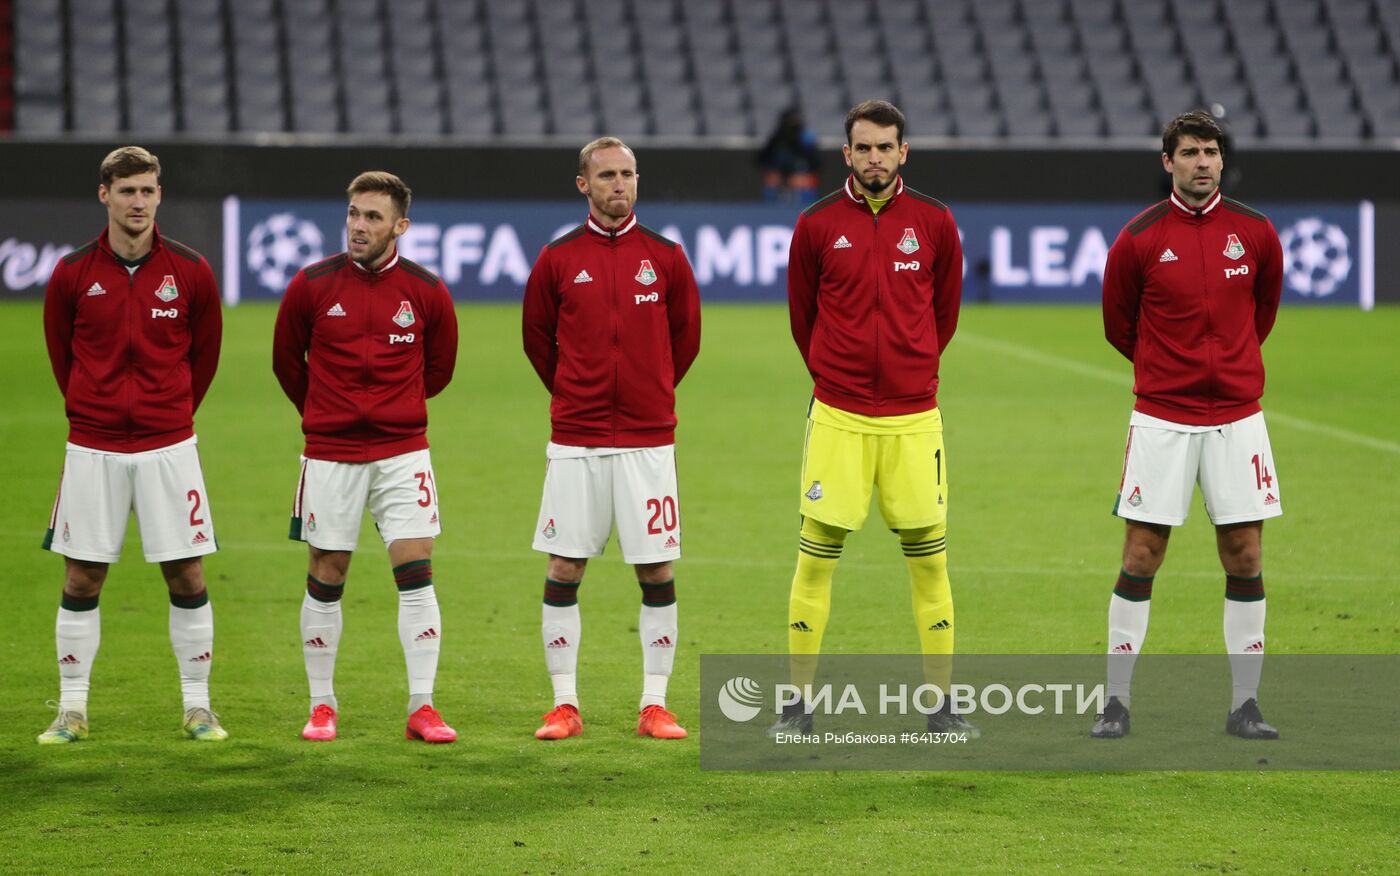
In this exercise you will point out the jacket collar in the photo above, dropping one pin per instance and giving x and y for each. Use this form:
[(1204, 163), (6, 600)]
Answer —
[(104, 242), (858, 198), (379, 271), (1195, 212), (620, 229)]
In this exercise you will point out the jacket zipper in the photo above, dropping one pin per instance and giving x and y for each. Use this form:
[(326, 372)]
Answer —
[(616, 348), (1210, 323), (369, 338), (133, 310), (877, 393)]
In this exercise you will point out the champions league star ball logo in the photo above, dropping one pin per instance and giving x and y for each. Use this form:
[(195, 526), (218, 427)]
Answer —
[(279, 246), (740, 699), (1316, 257)]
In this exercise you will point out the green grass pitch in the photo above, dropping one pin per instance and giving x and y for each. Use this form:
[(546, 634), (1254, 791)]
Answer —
[(1036, 406)]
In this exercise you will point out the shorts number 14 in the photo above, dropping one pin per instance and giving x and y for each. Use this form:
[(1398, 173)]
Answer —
[(1262, 477)]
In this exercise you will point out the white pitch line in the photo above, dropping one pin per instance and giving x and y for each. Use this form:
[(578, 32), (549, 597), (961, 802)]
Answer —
[(1333, 432), (1091, 371), (1120, 379)]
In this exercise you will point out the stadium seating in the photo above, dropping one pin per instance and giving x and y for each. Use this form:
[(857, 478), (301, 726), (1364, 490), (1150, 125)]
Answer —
[(1282, 70)]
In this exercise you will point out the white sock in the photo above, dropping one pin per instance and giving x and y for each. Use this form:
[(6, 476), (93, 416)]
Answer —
[(420, 633), (77, 635), (192, 640), (1127, 628), (561, 627), (321, 623), (657, 628), (1244, 642)]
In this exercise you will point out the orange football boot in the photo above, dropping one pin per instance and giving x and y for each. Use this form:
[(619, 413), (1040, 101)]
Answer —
[(658, 723), (561, 723)]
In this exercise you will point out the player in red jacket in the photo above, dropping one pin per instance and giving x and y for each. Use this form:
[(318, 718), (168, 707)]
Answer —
[(1190, 292), (133, 327), (874, 286), (363, 339), (611, 322)]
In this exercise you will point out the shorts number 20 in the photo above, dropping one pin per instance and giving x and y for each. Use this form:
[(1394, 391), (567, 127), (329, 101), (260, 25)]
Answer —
[(663, 515)]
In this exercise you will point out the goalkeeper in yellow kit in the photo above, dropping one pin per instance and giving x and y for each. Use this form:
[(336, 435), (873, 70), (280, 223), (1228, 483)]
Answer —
[(874, 285)]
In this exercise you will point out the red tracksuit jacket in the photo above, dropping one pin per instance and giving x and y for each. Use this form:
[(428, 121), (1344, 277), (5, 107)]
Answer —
[(1189, 296), (134, 353), (611, 322), (360, 352), (874, 299)]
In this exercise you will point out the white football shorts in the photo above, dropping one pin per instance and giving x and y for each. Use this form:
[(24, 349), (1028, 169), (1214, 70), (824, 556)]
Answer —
[(332, 496), (587, 490), (99, 489), (1233, 463)]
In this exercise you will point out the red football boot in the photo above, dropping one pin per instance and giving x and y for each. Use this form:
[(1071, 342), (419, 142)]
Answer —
[(426, 724), (321, 726)]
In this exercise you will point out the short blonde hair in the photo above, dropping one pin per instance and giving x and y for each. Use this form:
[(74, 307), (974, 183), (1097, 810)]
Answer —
[(386, 183), (586, 153), (128, 161)]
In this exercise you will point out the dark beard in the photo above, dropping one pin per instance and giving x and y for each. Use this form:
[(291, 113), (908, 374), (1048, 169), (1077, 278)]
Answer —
[(879, 186)]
